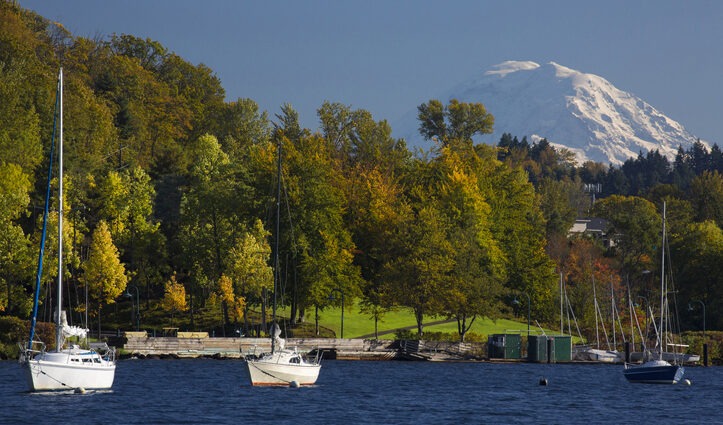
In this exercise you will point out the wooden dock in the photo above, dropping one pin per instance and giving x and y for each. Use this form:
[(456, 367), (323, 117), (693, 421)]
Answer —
[(199, 344)]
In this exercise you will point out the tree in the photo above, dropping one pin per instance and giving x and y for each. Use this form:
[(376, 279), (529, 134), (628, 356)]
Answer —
[(319, 247), (518, 225), (371, 158), (422, 268), (697, 258), (458, 120), (91, 139), (706, 195), (478, 274), (141, 241), (25, 80), (635, 228), (250, 272), (585, 266), (174, 298), (15, 253), (561, 202), (242, 125), (377, 209), (214, 212), (103, 272)]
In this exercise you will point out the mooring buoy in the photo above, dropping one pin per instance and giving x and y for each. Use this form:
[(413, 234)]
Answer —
[(294, 384), (543, 381)]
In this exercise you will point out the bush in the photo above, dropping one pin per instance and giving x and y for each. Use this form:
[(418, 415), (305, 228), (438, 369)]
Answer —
[(405, 334), (715, 345), (14, 331)]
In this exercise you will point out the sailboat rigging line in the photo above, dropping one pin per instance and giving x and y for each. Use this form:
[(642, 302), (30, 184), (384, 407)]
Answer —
[(672, 290), (38, 275), (570, 310), (60, 382)]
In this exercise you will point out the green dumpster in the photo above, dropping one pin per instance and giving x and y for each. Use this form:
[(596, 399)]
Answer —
[(503, 346), (537, 348), (563, 348)]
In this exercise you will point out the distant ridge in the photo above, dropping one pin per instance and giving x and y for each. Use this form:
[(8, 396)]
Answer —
[(582, 112)]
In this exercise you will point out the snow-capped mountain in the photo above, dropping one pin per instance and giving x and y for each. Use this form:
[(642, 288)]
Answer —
[(579, 111)]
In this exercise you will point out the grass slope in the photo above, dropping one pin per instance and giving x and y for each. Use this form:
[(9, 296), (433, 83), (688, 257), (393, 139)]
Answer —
[(358, 325)]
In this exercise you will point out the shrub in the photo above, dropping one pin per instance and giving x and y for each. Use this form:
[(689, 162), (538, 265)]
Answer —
[(14, 331)]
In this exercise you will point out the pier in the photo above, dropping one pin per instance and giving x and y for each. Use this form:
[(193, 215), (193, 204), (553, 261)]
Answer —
[(199, 344)]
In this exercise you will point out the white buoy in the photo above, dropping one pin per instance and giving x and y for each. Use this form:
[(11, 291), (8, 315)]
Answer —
[(686, 381), (294, 384), (80, 390)]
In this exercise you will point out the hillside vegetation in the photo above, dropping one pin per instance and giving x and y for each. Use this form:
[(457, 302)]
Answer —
[(179, 185)]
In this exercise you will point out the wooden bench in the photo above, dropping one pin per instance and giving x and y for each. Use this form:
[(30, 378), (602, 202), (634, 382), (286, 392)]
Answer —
[(192, 334), (170, 331)]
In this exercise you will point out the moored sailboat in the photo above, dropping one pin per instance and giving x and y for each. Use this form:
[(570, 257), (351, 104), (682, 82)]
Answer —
[(281, 367), (65, 367), (659, 370)]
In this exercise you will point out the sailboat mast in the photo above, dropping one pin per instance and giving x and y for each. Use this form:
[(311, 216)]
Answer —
[(662, 287), (562, 327), (58, 328), (276, 242), (594, 298)]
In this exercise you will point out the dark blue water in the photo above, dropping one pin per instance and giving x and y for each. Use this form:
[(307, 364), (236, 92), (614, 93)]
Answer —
[(355, 392)]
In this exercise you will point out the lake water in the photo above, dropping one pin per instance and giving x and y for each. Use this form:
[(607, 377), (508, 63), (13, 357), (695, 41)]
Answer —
[(357, 392)]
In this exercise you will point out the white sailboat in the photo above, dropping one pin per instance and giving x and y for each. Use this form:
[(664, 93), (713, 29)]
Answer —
[(281, 367), (597, 354), (71, 367), (658, 370)]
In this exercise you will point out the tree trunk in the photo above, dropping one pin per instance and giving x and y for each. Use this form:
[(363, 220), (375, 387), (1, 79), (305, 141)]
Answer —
[(316, 320), (419, 315), (99, 309)]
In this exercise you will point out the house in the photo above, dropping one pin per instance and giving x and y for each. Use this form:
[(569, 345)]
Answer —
[(592, 227)]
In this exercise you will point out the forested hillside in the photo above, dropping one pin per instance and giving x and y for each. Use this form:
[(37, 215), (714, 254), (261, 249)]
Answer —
[(179, 184)]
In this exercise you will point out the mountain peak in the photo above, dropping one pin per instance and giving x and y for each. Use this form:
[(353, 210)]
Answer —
[(582, 112), (511, 66)]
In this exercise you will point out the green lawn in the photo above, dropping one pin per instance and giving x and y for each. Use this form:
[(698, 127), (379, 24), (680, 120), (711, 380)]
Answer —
[(358, 325)]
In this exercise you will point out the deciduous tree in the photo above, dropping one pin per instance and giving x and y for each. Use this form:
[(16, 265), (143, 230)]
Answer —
[(103, 272), (174, 297)]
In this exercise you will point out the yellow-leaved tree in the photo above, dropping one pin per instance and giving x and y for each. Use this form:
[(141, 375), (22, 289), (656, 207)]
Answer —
[(174, 299), (103, 272), (232, 303), (250, 273)]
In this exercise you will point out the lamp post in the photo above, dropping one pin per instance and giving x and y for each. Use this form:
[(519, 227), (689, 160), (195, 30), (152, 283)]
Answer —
[(517, 302), (135, 307), (331, 297), (690, 308)]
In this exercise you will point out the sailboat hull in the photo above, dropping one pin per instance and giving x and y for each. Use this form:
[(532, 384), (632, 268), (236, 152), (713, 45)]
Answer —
[(654, 372), (69, 370), (600, 356)]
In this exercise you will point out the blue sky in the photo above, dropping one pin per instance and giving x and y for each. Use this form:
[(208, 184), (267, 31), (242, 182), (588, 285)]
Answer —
[(389, 56)]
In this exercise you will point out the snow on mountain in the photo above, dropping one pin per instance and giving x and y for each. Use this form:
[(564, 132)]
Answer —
[(582, 112)]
